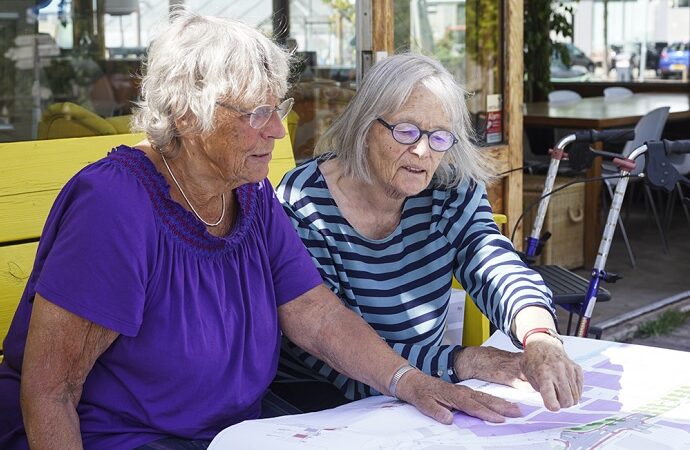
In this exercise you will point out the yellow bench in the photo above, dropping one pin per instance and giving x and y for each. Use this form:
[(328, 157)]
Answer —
[(32, 174)]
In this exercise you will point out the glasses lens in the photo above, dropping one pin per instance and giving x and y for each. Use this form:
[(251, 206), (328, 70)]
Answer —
[(262, 114), (441, 140), (284, 108), (406, 133)]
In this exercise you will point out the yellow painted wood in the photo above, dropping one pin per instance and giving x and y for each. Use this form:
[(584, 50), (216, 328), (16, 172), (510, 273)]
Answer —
[(32, 174), (476, 327), (16, 262)]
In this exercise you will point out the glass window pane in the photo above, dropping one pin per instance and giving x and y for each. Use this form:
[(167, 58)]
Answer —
[(323, 36), (466, 37), (639, 41), (85, 62)]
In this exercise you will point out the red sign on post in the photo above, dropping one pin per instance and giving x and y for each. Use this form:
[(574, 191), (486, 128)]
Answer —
[(494, 126)]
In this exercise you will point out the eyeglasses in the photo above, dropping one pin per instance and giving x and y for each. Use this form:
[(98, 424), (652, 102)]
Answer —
[(262, 114), (408, 133)]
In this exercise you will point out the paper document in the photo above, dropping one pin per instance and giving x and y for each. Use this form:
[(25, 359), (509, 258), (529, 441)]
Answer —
[(634, 397)]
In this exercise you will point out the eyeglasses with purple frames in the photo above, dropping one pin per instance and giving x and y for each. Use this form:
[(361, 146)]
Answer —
[(409, 133)]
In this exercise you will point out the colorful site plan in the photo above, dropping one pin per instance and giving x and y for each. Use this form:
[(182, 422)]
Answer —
[(634, 397)]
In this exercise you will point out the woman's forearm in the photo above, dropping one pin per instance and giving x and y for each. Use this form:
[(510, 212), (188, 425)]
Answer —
[(61, 348), (50, 423), (321, 325)]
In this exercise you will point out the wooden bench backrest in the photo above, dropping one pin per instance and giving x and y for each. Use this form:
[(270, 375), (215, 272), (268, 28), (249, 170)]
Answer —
[(31, 175)]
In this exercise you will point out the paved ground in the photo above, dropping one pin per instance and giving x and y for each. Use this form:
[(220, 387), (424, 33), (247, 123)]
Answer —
[(658, 275)]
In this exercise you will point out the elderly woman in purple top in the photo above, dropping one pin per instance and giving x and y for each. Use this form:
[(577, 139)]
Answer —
[(167, 271)]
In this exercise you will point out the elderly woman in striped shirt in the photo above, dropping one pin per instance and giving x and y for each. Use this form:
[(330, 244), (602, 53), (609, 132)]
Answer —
[(392, 208)]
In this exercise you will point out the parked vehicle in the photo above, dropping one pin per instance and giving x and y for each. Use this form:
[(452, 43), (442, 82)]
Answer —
[(674, 59), (561, 72), (578, 58), (654, 50)]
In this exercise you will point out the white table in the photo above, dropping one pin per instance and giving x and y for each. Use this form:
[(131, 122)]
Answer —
[(635, 397)]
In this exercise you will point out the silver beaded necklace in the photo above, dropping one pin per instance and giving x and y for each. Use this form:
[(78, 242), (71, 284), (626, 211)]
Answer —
[(208, 224)]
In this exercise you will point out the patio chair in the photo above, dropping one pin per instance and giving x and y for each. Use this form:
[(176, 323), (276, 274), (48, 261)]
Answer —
[(648, 128), (564, 96), (67, 120), (617, 93), (682, 164)]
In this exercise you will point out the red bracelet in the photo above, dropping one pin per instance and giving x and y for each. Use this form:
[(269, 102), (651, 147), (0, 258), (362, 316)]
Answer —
[(550, 331)]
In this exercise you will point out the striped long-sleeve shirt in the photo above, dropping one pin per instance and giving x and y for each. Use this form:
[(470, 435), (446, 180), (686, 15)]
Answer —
[(401, 284)]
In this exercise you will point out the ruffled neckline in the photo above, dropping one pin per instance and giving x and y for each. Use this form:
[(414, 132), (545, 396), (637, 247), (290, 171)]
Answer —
[(181, 224)]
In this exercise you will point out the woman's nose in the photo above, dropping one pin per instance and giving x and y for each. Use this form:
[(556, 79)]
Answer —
[(274, 127), (421, 148)]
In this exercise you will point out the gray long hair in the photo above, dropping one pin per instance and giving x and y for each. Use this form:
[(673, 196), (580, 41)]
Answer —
[(195, 61), (384, 90)]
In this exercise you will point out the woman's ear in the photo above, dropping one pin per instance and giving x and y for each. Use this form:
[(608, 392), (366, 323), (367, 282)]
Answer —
[(184, 123)]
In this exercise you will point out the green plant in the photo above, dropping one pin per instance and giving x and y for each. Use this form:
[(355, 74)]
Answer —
[(544, 19), (664, 324)]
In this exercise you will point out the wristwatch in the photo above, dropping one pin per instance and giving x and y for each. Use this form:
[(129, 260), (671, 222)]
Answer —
[(396, 378), (550, 331)]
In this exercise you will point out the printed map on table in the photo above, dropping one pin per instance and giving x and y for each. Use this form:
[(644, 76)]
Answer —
[(634, 398)]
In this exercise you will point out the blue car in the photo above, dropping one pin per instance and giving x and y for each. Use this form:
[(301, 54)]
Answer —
[(674, 59)]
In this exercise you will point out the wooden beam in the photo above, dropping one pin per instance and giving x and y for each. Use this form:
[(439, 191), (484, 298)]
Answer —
[(382, 26), (512, 107)]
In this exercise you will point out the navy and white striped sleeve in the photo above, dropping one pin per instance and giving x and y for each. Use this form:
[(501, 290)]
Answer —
[(487, 265)]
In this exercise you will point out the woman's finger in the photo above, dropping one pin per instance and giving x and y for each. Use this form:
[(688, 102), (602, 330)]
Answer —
[(547, 390), (430, 407), (485, 406)]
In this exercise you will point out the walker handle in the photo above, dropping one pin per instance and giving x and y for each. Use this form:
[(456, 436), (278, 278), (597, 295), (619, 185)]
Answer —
[(615, 136), (677, 147)]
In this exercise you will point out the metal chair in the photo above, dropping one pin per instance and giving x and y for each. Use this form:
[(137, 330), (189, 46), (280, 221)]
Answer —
[(564, 96), (682, 164), (617, 93), (648, 128)]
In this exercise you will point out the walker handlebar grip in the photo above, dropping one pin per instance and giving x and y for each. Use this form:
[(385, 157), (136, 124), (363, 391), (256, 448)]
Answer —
[(677, 147), (616, 136)]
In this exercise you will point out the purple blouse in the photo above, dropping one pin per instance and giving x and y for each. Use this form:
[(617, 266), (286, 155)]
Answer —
[(196, 314)]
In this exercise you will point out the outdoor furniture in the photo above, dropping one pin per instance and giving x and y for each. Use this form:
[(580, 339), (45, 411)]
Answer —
[(682, 164), (564, 96), (65, 120), (649, 128), (617, 93), (596, 113)]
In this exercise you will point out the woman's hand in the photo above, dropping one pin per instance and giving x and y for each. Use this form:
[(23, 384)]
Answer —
[(438, 399), (549, 370), (490, 364), (318, 322)]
